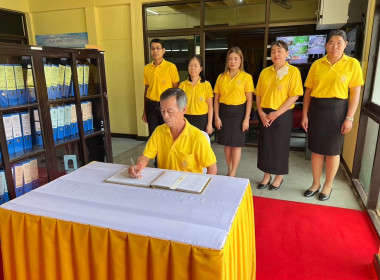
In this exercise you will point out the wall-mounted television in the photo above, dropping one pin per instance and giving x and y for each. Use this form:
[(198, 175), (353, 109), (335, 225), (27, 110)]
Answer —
[(304, 49)]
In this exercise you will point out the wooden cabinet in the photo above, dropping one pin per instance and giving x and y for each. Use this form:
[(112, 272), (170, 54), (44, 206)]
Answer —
[(63, 94)]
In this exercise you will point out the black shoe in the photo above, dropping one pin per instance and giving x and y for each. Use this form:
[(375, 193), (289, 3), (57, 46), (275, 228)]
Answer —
[(309, 193), (323, 197), (262, 186), (274, 188)]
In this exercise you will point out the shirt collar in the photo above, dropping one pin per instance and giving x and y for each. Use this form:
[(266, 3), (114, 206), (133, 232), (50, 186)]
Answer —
[(185, 131), (237, 74), (343, 58), (198, 82), (274, 70), (161, 64)]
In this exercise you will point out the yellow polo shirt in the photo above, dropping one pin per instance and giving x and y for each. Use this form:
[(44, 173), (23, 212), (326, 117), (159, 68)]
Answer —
[(190, 152), (274, 87), (232, 91), (159, 78), (197, 96), (333, 81)]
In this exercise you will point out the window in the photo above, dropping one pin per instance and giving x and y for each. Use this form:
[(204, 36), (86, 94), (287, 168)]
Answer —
[(13, 27)]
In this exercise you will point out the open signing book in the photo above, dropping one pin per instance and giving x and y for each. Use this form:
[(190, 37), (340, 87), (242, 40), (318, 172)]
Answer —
[(165, 179)]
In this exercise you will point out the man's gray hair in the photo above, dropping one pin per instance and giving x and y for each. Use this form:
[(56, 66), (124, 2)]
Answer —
[(179, 94)]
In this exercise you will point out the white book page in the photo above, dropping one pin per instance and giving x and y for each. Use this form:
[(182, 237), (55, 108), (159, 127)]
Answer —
[(122, 177), (193, 183), (167, 179)]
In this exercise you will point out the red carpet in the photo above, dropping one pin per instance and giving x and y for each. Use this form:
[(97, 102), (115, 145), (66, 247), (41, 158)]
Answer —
[(304, 241)]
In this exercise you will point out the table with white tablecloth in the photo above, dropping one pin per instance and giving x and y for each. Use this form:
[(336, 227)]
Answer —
[(80, 227)]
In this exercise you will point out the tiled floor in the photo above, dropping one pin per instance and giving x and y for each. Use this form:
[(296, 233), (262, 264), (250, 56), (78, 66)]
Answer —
[(295, 183)]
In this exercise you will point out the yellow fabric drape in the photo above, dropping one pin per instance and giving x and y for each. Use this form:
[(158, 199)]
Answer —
[(35, 247)]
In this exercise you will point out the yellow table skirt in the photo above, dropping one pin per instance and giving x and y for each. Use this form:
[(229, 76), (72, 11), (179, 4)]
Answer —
[(35, 247)]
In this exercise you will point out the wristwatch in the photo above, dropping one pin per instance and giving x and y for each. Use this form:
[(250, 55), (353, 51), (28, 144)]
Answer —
[(350, 118)]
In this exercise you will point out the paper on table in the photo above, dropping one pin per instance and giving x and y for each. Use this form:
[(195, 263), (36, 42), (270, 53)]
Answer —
[(122, 177), (182, 181)]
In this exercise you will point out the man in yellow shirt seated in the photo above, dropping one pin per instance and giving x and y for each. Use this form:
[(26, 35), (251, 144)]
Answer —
[(177, 144)]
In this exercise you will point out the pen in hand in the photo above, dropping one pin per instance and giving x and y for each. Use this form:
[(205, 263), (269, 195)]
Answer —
[(134, 168)]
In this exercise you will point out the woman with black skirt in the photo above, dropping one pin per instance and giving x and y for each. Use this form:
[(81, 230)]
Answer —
[(279, 86), (327, 112), (232, 107), (199, 97)]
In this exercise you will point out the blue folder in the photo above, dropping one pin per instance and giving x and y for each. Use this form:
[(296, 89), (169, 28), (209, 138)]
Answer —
[(60, 81), (86, 76), (54, 121), (80, 79), (11, 85), (20, 84), (18, 178), (67, 130), (17, 133), (26, 130), (7, 121), (30, 91), (54, 81), (61, 122), (90, 116), (3, 187), (3, 87), (67, 81), (27, 176), (47, 70), (37, 135), (34, 173), (74, 121)]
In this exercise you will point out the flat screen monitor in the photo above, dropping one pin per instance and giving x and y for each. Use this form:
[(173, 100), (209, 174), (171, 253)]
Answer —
[(303, 49)]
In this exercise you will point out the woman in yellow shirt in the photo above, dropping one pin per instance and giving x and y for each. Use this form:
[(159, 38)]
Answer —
[(327, 113), (232, 107), (199, 96), (279, 86)]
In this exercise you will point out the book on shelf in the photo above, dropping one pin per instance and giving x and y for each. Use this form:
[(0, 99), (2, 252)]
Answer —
[(164, 179)]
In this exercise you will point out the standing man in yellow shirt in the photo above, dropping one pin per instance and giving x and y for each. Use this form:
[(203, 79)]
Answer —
[(177, 144), (159, 75)]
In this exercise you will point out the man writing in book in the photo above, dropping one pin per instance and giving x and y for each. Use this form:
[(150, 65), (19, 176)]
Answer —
[(177, 144)]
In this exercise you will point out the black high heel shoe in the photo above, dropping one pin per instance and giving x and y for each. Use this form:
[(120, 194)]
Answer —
[(309, 193), (262, 186), (274, 188), (323, 197)]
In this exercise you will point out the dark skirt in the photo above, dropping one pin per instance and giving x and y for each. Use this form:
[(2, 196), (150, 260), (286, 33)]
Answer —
[(326, 116), (274, 142), (231, 133), (199, 121)]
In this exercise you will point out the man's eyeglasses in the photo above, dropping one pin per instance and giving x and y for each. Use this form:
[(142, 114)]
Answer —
[(155, 49)]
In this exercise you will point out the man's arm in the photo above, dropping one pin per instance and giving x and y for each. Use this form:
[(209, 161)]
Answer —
[(135, 172), (212, 169)]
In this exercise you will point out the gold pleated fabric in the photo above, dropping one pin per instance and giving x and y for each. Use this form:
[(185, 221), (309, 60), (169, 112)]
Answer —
[(38, 248)]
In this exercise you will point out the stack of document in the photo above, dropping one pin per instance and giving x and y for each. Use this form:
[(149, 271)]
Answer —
[(165, 179)]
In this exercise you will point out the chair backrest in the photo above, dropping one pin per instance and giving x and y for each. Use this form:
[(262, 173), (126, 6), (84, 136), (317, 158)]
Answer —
[(208, 138)]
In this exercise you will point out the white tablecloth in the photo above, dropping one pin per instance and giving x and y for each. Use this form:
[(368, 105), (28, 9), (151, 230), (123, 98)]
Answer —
[(83, 197)]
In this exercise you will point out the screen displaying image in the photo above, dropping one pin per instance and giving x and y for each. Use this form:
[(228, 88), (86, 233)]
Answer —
[(317, 44), (303, 49)]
